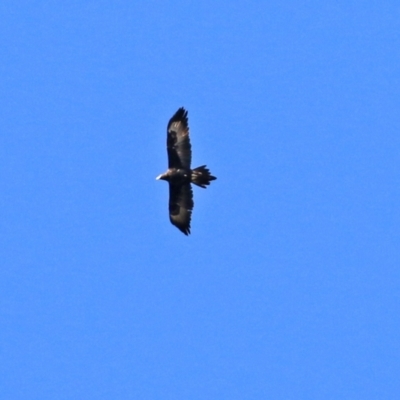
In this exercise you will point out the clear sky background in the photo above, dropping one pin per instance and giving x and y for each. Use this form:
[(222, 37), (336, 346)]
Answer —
[(288, 287)]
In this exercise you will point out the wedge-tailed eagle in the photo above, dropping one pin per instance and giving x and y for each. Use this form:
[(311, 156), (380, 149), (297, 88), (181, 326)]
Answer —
[(179, 175)]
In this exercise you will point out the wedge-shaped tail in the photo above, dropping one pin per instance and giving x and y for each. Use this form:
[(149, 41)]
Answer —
[(201, 176)]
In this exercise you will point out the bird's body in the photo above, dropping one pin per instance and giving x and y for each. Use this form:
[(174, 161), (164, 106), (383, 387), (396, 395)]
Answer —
[(179, 174), (176, 176)]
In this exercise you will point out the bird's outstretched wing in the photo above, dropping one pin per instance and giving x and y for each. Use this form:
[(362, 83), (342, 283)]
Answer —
[(181, 206), (178, 143)]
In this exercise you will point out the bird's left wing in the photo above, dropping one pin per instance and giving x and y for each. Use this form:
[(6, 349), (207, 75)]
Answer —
[(178, 143)]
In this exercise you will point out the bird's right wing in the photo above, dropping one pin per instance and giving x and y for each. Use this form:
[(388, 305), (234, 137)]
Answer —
[(181, 206)]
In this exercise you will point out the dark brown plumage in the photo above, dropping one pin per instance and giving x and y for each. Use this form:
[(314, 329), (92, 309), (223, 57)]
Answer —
[(179, 174)]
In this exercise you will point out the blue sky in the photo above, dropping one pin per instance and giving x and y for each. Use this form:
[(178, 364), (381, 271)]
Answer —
[(288, 287)]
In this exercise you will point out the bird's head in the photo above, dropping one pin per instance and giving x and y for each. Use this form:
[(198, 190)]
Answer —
[(163, 177)]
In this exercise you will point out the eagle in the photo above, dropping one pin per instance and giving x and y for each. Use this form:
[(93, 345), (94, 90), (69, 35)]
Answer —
[(179, 175)]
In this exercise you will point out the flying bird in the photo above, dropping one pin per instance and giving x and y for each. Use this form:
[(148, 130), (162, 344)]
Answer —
[(179, 175)]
